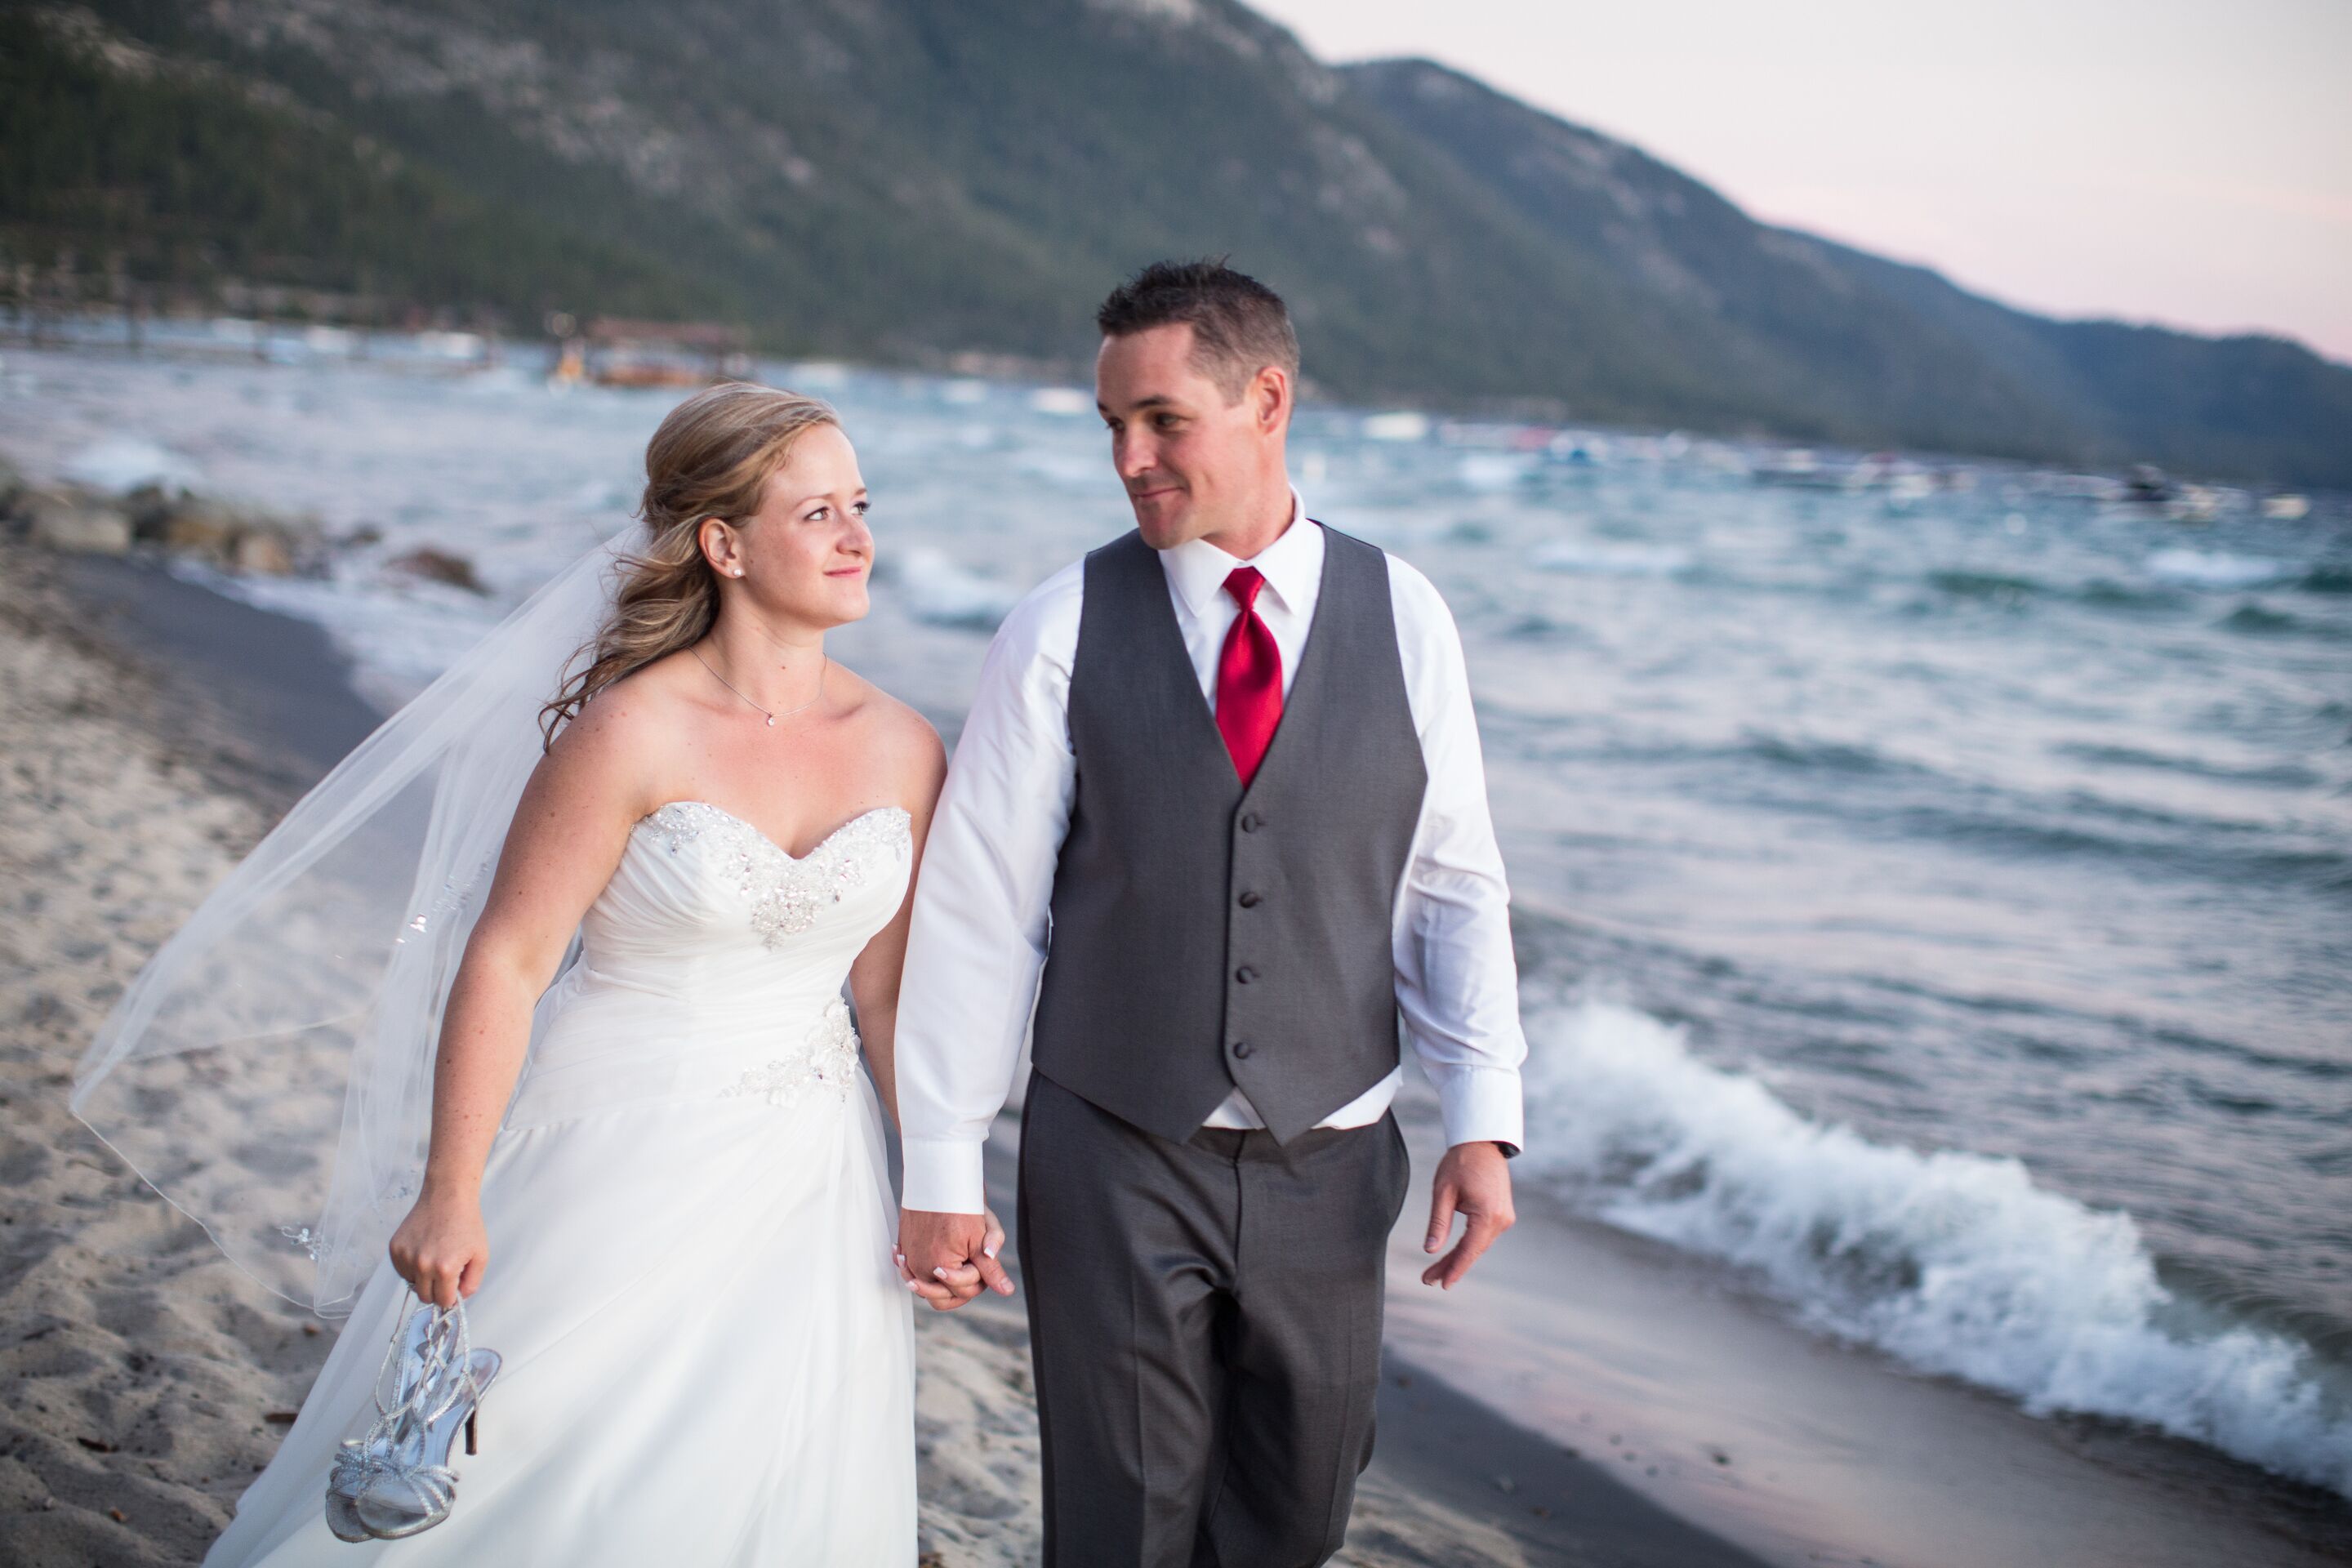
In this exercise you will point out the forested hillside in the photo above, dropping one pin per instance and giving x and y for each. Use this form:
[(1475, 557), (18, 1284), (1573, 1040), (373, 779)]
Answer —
[(908, 180), (125, 161)]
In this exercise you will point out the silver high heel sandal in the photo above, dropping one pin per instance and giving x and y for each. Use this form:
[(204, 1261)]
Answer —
[(397, 1480)]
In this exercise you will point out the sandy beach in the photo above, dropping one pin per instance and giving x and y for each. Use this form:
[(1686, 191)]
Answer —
[(154, 732)]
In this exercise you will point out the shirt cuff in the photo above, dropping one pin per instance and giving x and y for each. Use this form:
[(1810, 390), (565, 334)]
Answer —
[(1481, 1105), (943, 1176)]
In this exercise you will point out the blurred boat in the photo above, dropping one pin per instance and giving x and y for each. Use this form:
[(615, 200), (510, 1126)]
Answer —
[(613, 351), (2197, 503), (1799, 468), (2149, 485), (2094, 487), (650, 373)]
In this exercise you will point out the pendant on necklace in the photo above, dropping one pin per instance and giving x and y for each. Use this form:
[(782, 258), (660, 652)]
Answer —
[(771, 720)]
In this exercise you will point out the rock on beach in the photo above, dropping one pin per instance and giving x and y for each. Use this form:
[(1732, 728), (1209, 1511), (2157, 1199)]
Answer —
[(232, 536)]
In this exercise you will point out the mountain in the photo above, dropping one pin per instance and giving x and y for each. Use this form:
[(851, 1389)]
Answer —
[(914, 180), (1864, 344)]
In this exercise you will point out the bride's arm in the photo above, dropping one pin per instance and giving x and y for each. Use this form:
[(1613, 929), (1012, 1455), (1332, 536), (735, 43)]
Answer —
[(919, 764), (569, 831)]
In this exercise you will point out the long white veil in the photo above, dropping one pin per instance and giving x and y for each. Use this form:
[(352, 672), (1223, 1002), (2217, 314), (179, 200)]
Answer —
[(270, 1070)]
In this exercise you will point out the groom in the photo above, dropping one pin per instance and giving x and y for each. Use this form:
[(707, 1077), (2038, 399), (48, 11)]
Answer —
[(1220, 784)]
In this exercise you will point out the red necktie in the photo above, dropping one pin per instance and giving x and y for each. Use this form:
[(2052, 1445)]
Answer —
[(1249, 679)]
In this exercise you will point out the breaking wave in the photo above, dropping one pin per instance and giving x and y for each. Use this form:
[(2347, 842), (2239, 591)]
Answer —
[(1953, 1262)]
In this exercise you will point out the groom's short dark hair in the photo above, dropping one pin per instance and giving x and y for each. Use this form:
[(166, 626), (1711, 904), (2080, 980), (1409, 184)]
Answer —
[(1239, 325)]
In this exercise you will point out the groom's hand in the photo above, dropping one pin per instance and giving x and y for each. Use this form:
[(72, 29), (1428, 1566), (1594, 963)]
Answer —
[(1473, 1180), (948, 1258)]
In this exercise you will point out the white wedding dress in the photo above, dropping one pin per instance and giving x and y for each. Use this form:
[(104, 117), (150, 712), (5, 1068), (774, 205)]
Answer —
[(707, 1355)]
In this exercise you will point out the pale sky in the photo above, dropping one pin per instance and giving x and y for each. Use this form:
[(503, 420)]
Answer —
[(2153, 160)]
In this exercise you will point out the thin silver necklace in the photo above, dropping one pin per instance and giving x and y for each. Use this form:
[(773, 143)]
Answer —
[(780, 713)]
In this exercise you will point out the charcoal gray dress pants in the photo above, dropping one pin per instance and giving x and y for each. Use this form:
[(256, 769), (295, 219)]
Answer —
[(1204, 1318)]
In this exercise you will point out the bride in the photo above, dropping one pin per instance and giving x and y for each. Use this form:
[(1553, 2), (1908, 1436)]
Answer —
[(658, 1184)]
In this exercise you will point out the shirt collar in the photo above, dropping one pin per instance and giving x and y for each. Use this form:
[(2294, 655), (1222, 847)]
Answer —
[(1291, 564)]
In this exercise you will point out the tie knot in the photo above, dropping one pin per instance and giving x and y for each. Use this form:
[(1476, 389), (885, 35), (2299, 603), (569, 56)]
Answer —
[(1243, 583)]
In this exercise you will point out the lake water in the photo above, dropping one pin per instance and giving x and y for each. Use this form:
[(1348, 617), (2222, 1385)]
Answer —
[(1935, 897)]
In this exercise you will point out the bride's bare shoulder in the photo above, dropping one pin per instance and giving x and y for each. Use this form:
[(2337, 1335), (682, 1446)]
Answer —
[(895, 728), (625, 727)]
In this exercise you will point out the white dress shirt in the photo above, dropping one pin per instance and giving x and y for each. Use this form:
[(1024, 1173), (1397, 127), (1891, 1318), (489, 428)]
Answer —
[(982, 900)]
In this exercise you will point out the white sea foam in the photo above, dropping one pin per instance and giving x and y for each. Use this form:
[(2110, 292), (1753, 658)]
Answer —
[(2213, 568), (126, 462), (1405, 426), (939, 590), (1062, 402), (1491, 472), (1956, 1263)]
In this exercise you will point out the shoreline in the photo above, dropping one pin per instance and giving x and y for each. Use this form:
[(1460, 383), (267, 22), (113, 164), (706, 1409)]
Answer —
[(275, 686), (177, 725)]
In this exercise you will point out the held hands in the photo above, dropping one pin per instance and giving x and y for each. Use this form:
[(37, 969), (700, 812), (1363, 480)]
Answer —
[(946, 1258), (442, 1247), (1473, 1180)]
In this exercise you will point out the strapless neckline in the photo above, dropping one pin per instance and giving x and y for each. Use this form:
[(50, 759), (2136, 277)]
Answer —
[(752, 828)]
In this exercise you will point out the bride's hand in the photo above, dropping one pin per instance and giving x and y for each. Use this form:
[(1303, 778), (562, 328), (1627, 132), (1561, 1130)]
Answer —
[(961, 1283), (442, 1247), (993, 1272)]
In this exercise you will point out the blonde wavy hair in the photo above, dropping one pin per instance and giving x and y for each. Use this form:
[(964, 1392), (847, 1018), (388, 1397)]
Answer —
[(711, 457)]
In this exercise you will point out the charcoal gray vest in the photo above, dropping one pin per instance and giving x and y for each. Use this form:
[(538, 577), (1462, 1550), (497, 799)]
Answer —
[(1205, 935)]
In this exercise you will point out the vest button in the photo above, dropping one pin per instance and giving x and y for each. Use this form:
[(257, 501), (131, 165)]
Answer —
[(1250, 819), (1244, 975), (1250, 899), (1241, 1049)]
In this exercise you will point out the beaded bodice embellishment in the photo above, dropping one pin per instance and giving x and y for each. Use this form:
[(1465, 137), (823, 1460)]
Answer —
[(824, 1063), (787, 893)]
